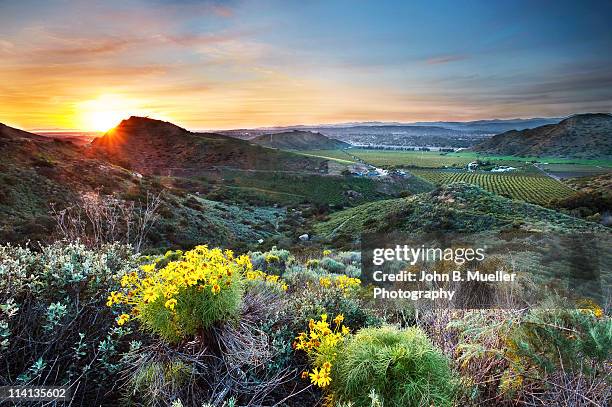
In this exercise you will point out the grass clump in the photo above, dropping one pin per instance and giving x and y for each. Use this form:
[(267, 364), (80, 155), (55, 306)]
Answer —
[(401, 366)]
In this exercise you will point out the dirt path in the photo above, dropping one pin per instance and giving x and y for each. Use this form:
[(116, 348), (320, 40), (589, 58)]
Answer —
[(546, 173)]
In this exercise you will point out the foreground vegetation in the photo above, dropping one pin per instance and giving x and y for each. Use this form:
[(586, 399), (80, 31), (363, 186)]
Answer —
[(268, 328)]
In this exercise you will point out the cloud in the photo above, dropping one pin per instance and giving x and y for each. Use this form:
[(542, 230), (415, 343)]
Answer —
[(444, 59)]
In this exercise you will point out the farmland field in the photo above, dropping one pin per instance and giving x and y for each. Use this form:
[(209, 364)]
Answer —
[(435, 159), (574, 170), (425, 159), (534, 189)]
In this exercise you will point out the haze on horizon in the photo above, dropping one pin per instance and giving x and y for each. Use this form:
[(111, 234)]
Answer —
[(239, 64)]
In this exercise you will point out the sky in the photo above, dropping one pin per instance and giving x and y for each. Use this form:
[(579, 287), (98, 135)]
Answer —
[(70, 64)]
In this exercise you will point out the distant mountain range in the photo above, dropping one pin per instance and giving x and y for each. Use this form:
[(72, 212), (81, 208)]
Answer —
[(380, 134), (299, 140), (579, 136), (492, 126)]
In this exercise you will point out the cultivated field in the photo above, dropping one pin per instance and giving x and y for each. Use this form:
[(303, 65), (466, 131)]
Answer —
[(574, 170), (534, 189), (425, 159)]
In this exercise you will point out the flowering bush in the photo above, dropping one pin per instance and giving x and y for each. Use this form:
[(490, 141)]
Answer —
[(181, 293), (341, 282), (321, 345), (274, 261)]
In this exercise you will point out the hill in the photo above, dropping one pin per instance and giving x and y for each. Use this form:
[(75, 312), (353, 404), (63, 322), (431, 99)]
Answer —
[(38, 171), (299, 140), (161, 148), (456, 207), (584, 136)]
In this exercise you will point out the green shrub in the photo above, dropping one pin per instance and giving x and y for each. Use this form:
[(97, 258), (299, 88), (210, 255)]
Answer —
[(54, 327), (402, 366), (332, 265), (352, 271), (555, 339), (275, 261)]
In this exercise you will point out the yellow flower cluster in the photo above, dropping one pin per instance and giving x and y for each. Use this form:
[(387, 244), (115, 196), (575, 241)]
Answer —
[(272, 258), (327, 252), (201, 269), (258, 275), (123, 318), (196, 271), (321, 377), (587, 305), (320, 343), (343, 282)]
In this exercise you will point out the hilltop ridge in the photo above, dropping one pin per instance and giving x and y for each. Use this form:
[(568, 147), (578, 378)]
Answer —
[(157, 147), (457, 207), (299, 140), (584, 136)]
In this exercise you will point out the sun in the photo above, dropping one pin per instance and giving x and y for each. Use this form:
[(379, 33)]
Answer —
[(103, 120), (107, 111)]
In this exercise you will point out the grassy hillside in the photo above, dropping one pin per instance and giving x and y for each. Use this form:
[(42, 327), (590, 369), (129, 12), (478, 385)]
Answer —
[(457, 207), (38, 172), (299, 140), (580, 136)]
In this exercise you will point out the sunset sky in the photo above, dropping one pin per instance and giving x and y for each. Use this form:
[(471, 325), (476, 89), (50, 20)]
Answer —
[(212, 65)]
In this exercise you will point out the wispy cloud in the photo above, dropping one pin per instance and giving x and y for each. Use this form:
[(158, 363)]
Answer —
[(445, 59)]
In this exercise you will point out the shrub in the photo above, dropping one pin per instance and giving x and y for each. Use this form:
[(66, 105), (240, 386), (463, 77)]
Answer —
[(332, 265), (199, 288), (352, 271), (401, 366), (350, 258), (274, 261), (313, 293), (182, 293), (54, 328), (550, 340)]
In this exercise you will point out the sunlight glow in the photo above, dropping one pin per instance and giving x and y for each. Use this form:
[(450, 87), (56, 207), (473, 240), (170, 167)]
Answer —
[(107, 111)]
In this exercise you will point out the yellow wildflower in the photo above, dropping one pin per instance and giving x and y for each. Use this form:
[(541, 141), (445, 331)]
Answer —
[(325, 282), (123, 318), (113, 298), (149, 295), (320, 378), (215, 289), (339, 318), (170, 304)]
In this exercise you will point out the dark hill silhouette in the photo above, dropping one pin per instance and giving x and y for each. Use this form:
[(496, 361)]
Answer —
[(156, 147), (579, 136)]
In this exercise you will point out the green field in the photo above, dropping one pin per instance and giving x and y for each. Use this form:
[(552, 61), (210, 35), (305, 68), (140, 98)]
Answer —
[(534, 189), (424, 159), (550, 160), (434, 159), (574, 170)]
